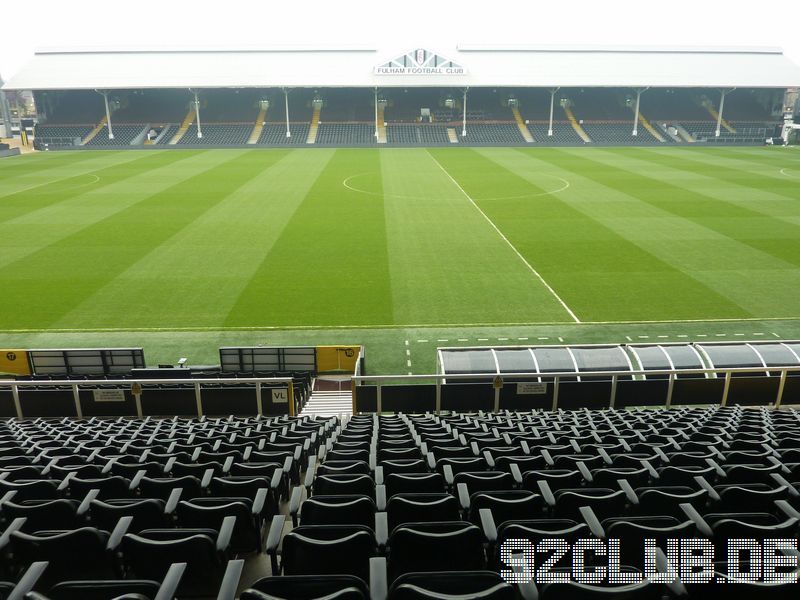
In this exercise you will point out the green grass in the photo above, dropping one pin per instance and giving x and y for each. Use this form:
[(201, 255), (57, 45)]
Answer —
[(181, 251)]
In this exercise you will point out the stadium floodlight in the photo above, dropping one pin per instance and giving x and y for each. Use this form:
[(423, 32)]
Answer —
[(723, 93)]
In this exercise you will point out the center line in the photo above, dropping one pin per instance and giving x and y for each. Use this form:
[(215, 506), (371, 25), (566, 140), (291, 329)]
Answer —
[(505, 239)]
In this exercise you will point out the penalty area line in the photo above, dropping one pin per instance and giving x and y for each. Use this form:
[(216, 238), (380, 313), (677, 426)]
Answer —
[(506, 240)]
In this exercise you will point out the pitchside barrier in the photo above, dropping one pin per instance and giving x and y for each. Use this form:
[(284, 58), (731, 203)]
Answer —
[(146, 396), (746, 386)]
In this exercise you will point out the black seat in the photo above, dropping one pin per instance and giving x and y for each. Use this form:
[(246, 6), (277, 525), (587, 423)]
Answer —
[(307, 587), (327, 550), (149, 555), (211, 513), (42, 514), (451, 585), (146, 513), (413, 483), (331, 485), (513, 505), (438, 546), (333, 510), (81, 553), (417, 508)]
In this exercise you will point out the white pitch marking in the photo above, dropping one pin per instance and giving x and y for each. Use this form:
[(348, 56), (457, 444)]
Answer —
[(408, 352), (483, 339), (463, 339), (506, 240), (444, 340), (663, 337), (543, 338), (70, 187), (720, 335), (406, 342), (759, 333), (783, 172), (422, 341), (377, 326), (643, 337), (346, 183), (522, 339), (776, 335), (561, 340), (683, 336), (701, 335), (627, 337), (408, 362), (502, 339), (739, 334)]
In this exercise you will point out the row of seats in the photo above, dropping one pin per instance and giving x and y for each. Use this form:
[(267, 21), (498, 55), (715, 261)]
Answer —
[(398, 506), (119, 501), (416, 135), (619, 134), (123, 135), (391, 498), (217, 134), (357, 134)]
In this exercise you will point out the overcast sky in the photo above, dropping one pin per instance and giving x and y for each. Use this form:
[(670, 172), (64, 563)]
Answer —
[(391, 24)]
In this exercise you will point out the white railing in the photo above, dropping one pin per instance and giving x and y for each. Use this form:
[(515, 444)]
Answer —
[(136, 387), (555, 379)]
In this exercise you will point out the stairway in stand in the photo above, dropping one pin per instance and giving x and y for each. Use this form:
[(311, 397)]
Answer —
[(187, 121), (312, 132), (576, 126), (93, 133), (523, 128), (259, 126), (330, 402)]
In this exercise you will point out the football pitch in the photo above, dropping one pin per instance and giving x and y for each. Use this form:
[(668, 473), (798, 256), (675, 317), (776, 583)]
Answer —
[(403, 250)]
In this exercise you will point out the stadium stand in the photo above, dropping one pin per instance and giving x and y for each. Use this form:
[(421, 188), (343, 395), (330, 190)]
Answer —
[(348, 134), (493, 134), (275, 134), (563, 133), (347, 115), (62, 135), (390, 506), (416, 135), (123, 135), (618, 134), (217, 134)]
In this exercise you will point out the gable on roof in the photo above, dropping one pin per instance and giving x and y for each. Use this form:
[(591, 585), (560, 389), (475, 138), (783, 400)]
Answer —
[(420, 62)]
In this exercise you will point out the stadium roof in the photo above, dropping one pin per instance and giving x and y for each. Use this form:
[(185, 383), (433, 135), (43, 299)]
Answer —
[(361, 66)]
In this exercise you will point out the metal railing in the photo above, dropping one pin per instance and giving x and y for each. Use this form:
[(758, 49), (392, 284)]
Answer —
[(556, 378), (138, 386)]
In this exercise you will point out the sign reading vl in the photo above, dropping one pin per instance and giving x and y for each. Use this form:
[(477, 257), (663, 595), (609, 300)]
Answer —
[(420, 62)]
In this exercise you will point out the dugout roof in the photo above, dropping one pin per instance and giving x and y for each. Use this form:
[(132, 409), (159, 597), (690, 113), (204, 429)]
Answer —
[(466, 65)]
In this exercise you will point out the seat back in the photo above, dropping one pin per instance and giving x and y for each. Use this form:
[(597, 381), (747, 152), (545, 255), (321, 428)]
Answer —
[(328, 550), (419, 508), (424, 547), (343, 510)]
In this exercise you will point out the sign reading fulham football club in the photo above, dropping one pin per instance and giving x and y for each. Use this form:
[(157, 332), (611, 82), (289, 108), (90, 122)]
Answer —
[(420, 62)]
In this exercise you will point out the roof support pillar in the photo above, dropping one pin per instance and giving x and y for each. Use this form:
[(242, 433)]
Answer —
[(108, 115), (722, 95), (464, 119), (552, 102), (639, 93), (376, 114), (286, 106), (197, 115)]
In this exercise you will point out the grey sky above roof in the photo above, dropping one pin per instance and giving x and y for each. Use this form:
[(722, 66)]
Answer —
[(364, 23)]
